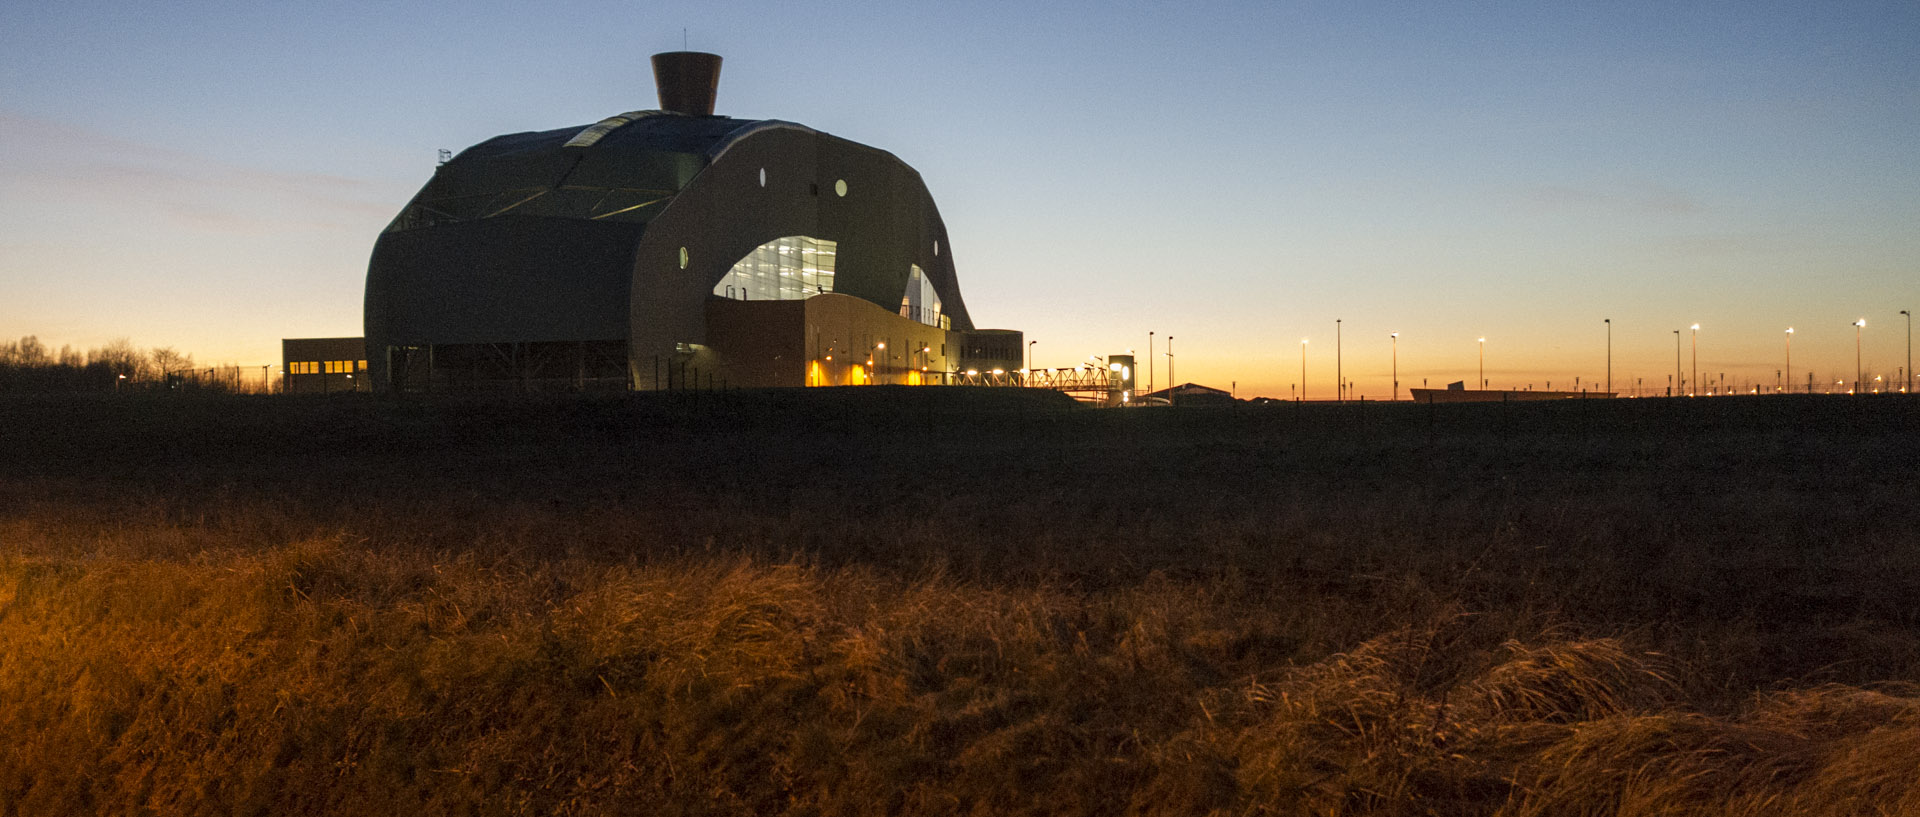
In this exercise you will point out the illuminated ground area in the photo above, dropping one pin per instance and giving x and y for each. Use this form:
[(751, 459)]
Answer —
[(932, 601)]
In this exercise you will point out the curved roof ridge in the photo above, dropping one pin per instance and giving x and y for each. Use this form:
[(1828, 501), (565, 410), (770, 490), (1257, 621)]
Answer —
[(593, 133), (752, 127)]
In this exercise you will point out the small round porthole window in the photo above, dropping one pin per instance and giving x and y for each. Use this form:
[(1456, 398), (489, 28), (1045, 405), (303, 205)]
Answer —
[(683, 257), (763, 177), (840, 187)]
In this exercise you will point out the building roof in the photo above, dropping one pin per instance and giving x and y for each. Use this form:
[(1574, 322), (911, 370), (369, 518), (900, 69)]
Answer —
[(624, 168)]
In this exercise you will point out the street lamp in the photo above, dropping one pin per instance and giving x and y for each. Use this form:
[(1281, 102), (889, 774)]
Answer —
[(1789, 359), (1676, 367), (1396, 365), (1149, 365), (1858, 327), (1609, 323), (1696, 358), (1303, 370), (1339, 375), (1483, 363), (1171, 382), (1908, 389), (1030, 354)]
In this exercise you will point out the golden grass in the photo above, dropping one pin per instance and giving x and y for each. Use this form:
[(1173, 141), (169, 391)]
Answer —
[(320, 676)]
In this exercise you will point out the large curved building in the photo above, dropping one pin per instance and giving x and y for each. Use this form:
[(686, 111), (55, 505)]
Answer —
[(670, 249)]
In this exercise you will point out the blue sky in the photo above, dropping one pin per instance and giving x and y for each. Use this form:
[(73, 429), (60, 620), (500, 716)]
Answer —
[(1239, 175)]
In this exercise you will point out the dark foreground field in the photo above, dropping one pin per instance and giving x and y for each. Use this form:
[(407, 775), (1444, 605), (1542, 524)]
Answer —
[(942, 602)]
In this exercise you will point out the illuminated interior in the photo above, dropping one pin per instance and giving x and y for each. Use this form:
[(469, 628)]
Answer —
[(794, 268), (920, 302)]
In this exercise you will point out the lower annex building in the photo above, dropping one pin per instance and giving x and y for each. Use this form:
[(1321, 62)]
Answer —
[(666, 249)]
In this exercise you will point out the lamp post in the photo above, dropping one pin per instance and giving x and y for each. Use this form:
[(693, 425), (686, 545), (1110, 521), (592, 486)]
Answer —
[(1149, 366), (1396, 365), (1171, 383), (1030, 354), (1858, 327), (1609, 323), (1789, 359), (1303, 370), (1908, 388), (1339, 374), (1696, 357), (1483, 364), (1676, 367)]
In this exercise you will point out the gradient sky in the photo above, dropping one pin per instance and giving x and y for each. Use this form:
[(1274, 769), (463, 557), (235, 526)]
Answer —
[(1238, 175)]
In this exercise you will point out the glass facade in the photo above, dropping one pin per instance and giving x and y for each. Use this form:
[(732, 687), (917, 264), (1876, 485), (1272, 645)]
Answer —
[(794, 268), (920, 302)]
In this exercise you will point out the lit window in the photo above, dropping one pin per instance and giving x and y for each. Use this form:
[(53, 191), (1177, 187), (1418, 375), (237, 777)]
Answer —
[(794, 268), (936, 248), (840, 187), (683, 257), (763, 177), (920, 302)]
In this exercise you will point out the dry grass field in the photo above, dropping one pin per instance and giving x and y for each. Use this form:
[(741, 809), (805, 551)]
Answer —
[(938, 602)]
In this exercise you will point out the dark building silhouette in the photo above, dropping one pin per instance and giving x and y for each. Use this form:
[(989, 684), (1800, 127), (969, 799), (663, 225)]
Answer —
[(670, 248)]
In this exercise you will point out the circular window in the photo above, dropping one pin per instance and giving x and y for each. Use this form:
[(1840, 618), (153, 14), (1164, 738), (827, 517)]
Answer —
[(840, 187), (683, 257), (763, 177), (936, 247)]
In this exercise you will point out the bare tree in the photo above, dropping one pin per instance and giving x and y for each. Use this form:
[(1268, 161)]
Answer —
[(121, 358), (169, 360)]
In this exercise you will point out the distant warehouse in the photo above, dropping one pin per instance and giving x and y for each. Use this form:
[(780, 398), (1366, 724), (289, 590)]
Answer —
[(668, 249)]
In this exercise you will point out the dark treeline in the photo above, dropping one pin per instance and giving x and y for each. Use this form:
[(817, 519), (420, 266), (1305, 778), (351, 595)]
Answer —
[(28, 365)]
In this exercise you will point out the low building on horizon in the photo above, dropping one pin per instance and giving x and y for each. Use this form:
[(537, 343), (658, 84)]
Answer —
[(1450, 394), (323, 365)]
